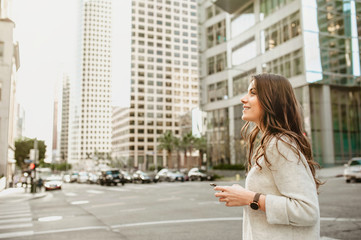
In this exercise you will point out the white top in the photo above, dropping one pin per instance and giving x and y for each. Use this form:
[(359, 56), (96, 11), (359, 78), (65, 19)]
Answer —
[(292, 209)]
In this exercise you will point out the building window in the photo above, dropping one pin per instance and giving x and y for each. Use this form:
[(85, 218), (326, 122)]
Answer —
[(270, 6), (281, 32), (218, 91), (212, 11), (241, 82), (289, 65), (216, 34), (217, 63), (2, 47)]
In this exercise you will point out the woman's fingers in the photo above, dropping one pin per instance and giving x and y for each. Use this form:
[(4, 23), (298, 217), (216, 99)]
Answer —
[(220, 188), (220, 194)]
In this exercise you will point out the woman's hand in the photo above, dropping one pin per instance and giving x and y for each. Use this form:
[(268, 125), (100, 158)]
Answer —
[(234, 195)]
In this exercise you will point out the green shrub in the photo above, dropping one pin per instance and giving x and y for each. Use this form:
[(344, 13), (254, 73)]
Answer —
[(229, 167)]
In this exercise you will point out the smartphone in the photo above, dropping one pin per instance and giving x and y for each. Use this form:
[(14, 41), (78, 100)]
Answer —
[(213, 184)]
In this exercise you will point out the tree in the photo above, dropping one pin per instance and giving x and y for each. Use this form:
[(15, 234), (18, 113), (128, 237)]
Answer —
[(22, 151), (201, 145), (177, 145), (186, 144), (167, 142)]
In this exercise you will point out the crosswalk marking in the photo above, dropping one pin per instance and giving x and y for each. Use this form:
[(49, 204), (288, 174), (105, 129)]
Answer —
[(16, 234), (14, 217), (15, 220), (9, 215), (18, 225)]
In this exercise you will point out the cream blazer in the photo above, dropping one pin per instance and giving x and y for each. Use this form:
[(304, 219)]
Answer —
[(292, 208)]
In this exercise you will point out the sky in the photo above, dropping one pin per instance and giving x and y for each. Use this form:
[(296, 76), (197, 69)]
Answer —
[(47, 34)]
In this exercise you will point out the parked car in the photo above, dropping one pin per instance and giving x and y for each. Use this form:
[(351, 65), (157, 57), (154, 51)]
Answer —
[(53, 182), (352, 170), (74, 177), (198, 174), (66, 178), (83, 177), (169, 175), (127, 177), (111, 176), (93, 178), (142, 177)]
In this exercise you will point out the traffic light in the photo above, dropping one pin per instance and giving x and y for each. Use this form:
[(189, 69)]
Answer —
[(32, 166)]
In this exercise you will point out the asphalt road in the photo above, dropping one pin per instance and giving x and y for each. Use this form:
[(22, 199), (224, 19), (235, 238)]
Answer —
[(161, 211)]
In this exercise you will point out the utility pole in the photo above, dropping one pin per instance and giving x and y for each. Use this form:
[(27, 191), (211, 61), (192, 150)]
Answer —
[(34, 154)]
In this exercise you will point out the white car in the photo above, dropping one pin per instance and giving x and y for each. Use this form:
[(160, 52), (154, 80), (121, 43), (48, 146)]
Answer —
[(353, 170), (53, 182)]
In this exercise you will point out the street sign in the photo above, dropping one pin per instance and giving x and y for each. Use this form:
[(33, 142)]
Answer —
[(28, 161)]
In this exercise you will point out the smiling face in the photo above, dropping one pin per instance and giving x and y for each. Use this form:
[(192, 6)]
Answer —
[(252, 110)]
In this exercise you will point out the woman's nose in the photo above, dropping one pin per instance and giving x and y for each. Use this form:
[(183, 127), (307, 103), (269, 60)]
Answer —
[(243, 100)]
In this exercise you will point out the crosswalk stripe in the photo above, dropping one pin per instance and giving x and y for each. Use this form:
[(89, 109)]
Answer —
[(15, 220), (10, 215), (16, 234), (14, 212), (24, 225)]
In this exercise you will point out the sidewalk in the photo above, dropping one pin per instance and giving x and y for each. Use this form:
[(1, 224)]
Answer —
[(20, 192), (331, 172)]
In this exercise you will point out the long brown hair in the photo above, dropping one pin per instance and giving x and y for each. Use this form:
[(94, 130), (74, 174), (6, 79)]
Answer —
[(281, 118)]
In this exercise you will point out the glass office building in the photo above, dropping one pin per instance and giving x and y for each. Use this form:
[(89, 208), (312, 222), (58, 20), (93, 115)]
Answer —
[(314, 43)]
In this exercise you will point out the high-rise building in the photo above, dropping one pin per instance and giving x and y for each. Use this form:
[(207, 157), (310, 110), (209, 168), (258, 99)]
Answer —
[(65, 111), (9, 64), (54, 147), (315, 44), (90, 117), (164, 75)]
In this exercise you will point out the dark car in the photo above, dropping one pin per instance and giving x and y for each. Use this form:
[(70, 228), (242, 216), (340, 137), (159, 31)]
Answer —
[(198, 174), (111, 176), (142, 177)]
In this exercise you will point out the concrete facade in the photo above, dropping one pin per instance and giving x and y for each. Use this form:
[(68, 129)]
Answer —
[(307, 42)]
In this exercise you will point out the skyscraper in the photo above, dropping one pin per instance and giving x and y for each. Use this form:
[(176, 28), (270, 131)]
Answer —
[(164, 78), (9, 64), (65, 108), (315, 44), (90, 118)]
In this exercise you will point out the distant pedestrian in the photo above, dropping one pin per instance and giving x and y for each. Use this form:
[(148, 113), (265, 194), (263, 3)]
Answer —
[(40, 184), (281, 186)]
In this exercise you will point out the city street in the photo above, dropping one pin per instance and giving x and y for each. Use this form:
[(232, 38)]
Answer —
[(178, 210)]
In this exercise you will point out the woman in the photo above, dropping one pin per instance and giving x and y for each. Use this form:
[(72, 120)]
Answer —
[(281, 187)]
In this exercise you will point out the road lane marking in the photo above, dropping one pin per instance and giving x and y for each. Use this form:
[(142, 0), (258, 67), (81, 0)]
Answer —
[(15, 220), (95, 191), (118, 189), (211, 220), (17, 225), (72, 229), (16, 234), (168, 199), (107, 204), (132, 210), (333, 219), (50, 218), (177, 221), (70, 194), (208, 202), (79, 202)]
